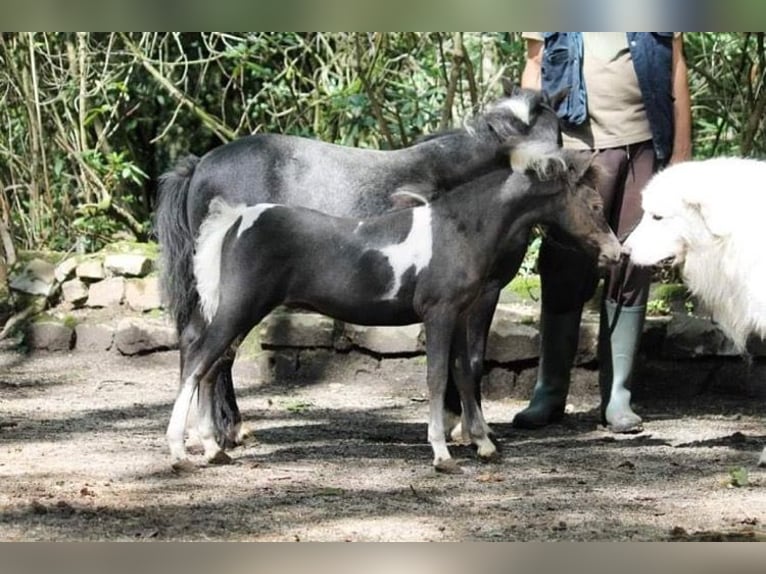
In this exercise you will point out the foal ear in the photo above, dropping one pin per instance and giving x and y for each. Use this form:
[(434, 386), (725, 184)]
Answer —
[(580, 164)]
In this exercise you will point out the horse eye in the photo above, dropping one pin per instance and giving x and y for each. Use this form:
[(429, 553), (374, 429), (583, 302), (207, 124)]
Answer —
[(657, 217)]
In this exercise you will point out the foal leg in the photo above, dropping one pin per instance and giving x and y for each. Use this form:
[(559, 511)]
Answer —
[(477, 325), (227, 418), (230, 430), (199, 358), (473, 419), (439, 327), (177, 424)]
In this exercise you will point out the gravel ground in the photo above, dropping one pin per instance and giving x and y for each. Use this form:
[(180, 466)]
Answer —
[(83, 457)]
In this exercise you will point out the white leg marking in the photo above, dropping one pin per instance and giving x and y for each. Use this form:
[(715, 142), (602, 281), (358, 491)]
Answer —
[(177, 424), (443, 461), (416, 249), (486, 448)]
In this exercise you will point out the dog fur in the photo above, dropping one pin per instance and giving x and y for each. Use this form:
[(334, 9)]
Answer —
[(708, 216)]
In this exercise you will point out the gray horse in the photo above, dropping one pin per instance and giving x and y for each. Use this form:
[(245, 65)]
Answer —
[(339, 180)]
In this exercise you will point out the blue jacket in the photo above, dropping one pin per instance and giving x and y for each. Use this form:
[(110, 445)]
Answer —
[(652, 54)]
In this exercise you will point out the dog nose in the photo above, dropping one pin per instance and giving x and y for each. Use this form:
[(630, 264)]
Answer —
[(626, 249)]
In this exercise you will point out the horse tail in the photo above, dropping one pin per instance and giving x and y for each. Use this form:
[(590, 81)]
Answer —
[(176, 240)]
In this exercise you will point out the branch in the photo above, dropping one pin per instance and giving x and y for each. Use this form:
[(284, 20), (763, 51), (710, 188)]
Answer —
[(212, 123)]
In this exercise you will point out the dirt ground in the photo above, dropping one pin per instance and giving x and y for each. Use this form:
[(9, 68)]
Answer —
[(83, 457)]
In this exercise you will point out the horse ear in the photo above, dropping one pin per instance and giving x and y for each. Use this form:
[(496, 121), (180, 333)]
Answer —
[(509, 87)]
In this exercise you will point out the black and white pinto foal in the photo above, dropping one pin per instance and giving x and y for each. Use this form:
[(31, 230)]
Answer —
[(427, 264)]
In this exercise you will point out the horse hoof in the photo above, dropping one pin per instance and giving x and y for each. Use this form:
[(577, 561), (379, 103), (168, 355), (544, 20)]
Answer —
[(447, 466), (183, 466), (220, 458)]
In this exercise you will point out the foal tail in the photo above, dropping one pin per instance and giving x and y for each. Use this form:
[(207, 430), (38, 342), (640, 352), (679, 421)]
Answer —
[(176, 240), (207, 260)]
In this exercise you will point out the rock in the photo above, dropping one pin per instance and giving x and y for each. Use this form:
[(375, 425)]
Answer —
[(499, 383), (510, 341), (75, 292), (139, 335), (143, 294), (128, 264), (50, 336), (382, 340), (691, 336), (283, 329), (36, 278), (66, 269), (107, 293), (94, 336), (90, 270)]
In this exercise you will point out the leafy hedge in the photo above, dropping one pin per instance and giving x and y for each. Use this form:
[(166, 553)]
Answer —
[(90, 120)]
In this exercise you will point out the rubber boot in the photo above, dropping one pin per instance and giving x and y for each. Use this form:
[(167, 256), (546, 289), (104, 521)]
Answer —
[(559, 336), (619, 338)]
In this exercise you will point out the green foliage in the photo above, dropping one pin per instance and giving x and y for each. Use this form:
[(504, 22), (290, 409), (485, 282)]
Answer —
[(90, 120), (657, 307), (738, 477)]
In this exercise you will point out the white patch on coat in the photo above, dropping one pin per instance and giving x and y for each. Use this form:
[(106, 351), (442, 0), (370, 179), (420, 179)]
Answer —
[(251, 215), (416, 249), (207, 256)]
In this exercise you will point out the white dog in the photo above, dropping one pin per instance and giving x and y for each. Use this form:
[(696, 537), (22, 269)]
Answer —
[(708, 215)]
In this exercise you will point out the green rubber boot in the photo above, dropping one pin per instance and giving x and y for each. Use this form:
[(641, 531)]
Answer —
[(618, 342), (559, 336)]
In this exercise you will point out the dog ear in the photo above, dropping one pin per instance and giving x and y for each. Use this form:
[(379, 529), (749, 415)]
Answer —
[(718, 222)]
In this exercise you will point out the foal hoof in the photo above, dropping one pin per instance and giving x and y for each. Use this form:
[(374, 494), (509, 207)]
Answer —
[(447, 466), (489, 457), (626, 424), (220, 458), (245, 434), (183, 466)]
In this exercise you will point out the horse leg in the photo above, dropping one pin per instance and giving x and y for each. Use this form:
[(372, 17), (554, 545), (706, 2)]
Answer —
[(439, 327), (473, 419)]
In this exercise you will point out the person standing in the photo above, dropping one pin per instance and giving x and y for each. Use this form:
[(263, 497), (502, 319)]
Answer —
[(627, 98)]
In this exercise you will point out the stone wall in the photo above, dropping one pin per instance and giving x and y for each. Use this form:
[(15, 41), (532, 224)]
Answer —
[(102, 302), (110, 302)]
